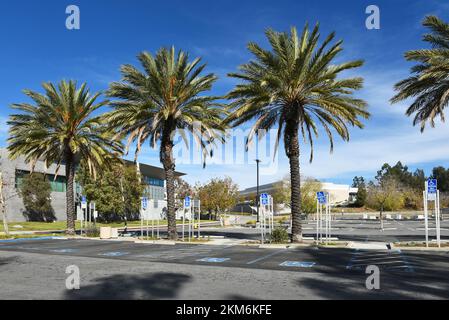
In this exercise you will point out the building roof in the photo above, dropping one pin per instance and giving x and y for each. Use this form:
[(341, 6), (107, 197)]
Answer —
[(145, 169), (152, 171)]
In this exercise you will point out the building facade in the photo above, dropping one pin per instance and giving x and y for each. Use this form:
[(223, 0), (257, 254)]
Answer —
[(340, 194), (13, 172)]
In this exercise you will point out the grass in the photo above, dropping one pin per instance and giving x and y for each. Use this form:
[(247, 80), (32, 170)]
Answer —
[(25, 236), (421, 244), (61, 225)]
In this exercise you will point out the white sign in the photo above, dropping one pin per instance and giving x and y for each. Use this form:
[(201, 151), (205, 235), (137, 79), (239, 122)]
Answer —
[(79, 214)]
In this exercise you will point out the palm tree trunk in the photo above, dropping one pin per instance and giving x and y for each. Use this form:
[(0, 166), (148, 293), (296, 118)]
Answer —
[(3, 207), (70, 197), (295, 177), (169, 167)]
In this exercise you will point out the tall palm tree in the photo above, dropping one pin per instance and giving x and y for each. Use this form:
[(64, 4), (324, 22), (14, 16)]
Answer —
[(294, 86), (58, 127), (429, 83), (165, 99)]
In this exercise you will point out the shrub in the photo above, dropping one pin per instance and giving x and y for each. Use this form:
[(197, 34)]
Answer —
[(92, 232), (279, 235)]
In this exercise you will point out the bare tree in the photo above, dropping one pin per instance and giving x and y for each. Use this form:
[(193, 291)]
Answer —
[(386, 195)]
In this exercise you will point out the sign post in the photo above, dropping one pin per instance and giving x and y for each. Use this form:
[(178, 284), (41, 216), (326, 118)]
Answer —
[(264, 202), (323, 201), (80, 217), (431, 193), (84, 209), (144, 206), (187, 205)]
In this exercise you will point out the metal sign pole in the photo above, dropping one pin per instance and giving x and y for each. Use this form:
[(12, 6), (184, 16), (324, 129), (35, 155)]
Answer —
[(321, 222), (158, 227), (426, 222), (190, 224), (152, 227), (317, 219), (183, 222), (148, 229), (327, 219), (437, 217), (426, 213), (199, 219), (330, 215)]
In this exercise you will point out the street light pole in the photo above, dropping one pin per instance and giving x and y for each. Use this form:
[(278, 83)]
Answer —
[(257, 195)]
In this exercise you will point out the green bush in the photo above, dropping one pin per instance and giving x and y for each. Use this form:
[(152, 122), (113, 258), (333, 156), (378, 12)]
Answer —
[(279, 235), (92, 232)]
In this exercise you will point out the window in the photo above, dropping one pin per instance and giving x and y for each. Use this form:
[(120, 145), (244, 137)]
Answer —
[(58, 185), (153, 181)]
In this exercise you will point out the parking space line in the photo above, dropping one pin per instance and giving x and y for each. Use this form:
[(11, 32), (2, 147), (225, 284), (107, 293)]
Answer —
[(266, 256)]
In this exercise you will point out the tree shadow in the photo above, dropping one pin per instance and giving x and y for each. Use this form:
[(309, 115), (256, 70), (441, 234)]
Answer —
[(429, 280), (36, 216), (159, 285), (8, 260)]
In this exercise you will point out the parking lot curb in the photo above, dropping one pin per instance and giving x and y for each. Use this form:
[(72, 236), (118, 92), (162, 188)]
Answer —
[(444, 249)]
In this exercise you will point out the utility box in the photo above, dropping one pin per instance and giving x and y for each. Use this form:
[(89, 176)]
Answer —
[(105, 232), (114, 233)]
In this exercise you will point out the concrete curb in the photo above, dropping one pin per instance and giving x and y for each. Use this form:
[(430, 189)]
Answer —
[(163, 242), (444, 249)]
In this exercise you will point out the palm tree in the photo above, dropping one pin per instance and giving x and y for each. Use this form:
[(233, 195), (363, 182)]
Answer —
[(295, 87), (58, 127), (161, 101), (428, 85)]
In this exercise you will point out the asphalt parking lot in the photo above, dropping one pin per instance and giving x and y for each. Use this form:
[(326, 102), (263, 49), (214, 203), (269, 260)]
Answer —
[(308, 259), (352, 230), (35, 269)]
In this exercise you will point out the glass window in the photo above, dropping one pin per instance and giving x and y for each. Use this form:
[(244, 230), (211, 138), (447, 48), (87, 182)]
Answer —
[(57, 185)]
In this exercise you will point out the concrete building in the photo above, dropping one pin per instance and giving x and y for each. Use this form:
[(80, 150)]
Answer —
[(340, 194), (13, 172)]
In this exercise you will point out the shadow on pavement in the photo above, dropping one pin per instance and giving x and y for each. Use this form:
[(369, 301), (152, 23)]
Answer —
[(429, 281), (5, 261), (159, 285)]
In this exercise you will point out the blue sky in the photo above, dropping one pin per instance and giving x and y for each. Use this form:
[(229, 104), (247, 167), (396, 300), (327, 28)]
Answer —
[(36, 47)]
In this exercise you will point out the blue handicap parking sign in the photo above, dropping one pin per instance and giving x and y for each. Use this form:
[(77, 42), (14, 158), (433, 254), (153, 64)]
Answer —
[(264, 199), (144, 203), (83, 199), (187, 202), (432, 186), (321, 196)]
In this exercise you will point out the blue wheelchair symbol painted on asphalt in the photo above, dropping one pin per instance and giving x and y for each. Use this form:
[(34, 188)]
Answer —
[(299, 264), (63, 250), (215, 260), (113, 254)]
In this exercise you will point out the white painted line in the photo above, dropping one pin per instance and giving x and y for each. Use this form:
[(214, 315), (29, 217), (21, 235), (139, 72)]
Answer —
[(265, 257)]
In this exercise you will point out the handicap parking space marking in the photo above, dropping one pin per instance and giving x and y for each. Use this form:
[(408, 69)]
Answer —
[(388, 260), (177, 254), (213, 260), (64, 250), (113, 254), (298, 264)]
